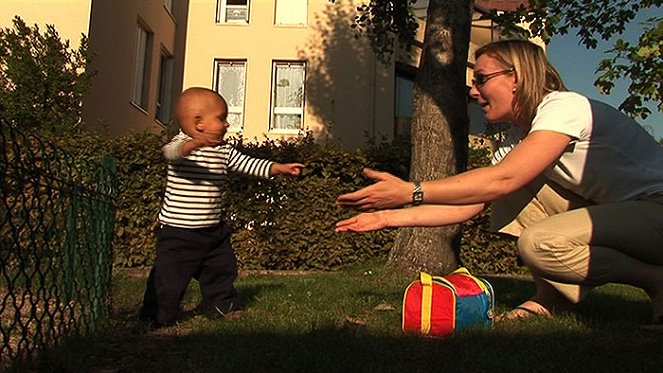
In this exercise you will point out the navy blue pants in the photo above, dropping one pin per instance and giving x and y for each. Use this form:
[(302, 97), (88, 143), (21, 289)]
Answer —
[(182, 254)]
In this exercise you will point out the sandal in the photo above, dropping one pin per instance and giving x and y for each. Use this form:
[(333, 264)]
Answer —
[(523, 312)]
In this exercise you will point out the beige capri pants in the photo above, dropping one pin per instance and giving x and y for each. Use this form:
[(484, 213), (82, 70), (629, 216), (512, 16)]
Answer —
[(571, 245)]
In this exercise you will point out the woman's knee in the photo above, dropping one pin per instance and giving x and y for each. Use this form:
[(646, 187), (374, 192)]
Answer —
[(532, 248), (557, 254)]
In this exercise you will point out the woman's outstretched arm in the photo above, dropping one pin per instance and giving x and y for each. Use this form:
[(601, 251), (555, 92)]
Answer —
[(419, 216)]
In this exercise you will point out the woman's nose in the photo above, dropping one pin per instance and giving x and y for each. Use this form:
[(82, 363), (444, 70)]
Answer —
[(474, 92)]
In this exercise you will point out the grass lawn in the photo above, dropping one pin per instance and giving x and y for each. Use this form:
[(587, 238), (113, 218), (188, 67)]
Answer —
[(349, 321)]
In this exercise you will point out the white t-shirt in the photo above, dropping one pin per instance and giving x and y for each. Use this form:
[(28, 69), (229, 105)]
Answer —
[(611, 158)]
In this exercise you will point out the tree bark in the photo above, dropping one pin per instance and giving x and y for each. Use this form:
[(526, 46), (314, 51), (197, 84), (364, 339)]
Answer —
[(439, 131)]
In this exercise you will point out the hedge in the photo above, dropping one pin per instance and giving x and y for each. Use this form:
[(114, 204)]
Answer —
[(280, 223)]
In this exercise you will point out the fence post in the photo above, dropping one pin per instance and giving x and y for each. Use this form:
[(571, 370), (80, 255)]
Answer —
[(105, 230)]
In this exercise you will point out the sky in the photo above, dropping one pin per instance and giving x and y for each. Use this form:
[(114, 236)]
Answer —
[(577, 66)]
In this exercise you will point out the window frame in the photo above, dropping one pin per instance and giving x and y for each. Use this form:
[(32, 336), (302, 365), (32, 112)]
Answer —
[(141, 71), (232, 109), (286, 110), (222, 13), (164, 88)]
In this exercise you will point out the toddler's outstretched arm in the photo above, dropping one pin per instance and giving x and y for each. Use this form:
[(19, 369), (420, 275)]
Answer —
[(181, 146), (290, 169)]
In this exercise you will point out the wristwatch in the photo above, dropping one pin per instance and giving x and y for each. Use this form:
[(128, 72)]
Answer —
[(417, 194)]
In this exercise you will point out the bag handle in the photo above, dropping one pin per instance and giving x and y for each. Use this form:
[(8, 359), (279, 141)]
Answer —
[(480, 283), (426, 300)]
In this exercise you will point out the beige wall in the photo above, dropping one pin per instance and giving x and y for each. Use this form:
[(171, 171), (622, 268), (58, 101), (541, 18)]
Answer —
[(113, 30), (347, 91), (70, 17)]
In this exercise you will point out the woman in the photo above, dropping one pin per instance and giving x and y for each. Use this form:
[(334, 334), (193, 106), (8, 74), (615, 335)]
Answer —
[(578, 182)]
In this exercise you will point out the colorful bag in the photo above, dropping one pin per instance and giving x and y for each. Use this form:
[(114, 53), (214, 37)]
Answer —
[(437, 306)]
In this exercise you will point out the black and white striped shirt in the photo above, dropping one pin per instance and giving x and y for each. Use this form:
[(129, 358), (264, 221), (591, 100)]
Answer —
[(194, 182)]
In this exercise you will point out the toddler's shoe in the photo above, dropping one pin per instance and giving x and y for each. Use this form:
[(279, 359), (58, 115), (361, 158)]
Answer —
[(224, 310)]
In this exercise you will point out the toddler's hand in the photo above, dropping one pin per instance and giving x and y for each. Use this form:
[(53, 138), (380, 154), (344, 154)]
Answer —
[(290, 169), (205, 139)]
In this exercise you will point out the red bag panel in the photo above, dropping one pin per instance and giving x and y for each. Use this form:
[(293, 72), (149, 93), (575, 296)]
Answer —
[(463, 284), (442, 316)]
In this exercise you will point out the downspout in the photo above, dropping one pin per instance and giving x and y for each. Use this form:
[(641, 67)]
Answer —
[(373, 98)]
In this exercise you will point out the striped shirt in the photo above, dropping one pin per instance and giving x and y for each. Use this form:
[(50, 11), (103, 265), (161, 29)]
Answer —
[(194, 182)]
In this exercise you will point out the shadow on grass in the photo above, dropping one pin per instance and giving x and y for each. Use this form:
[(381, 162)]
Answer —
[(603, 335)]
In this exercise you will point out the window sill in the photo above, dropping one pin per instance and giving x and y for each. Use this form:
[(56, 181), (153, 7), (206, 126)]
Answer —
[(296, 132), (233, 24), (284, 25), (140, 108)]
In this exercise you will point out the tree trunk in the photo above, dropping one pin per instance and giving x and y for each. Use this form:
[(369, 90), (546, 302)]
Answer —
[(439, 131)]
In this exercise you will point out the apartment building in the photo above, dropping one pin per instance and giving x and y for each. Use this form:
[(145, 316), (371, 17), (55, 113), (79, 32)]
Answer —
[(138, 47), (139, 56), (284, 66)]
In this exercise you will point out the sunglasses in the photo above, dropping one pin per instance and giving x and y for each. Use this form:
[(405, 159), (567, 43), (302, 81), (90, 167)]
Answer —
[(480, 79)]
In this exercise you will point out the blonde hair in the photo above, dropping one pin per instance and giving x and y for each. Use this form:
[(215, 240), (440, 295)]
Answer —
[(535, 76)]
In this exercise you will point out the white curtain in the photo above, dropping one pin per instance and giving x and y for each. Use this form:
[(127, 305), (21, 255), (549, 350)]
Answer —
[(231, 83), (291, 12), (232, 11), (289, 96)]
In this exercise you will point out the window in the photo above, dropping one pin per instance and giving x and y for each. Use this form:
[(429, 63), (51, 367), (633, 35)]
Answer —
[(287, 95), (141, 67), (165, 88), (403, 104), (232, 11), (291, 12), (403, 96), (230, 77)]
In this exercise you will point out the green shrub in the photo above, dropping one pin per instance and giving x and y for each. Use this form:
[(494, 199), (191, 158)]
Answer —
[(42, 79), (288, 223), (141, 179)]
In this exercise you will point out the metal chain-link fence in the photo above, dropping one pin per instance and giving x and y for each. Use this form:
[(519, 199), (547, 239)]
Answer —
[(56, 227)]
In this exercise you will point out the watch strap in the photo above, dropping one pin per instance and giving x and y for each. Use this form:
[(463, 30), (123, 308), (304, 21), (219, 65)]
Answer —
[(417, 194)]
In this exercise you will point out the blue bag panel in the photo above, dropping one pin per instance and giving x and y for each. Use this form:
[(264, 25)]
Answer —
[(475, 310)]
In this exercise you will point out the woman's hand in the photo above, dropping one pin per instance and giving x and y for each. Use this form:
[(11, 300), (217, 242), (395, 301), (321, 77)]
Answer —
[(369, 221), (420, 216), (388, 192)]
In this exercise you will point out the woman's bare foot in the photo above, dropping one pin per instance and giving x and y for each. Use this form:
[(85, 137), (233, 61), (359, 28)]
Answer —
[(526, 310)]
